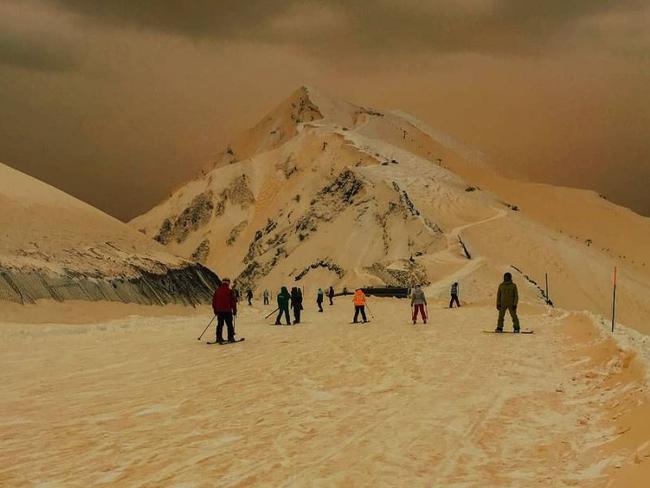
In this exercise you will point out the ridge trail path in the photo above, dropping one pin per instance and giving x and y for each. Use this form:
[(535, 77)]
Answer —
[(452, 254), (454, 234), (139, 402)]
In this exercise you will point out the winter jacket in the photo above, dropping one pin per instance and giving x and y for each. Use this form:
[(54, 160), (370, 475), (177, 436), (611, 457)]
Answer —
[(507, 295), (319, 296), (359, 298), (417, 297), (454, 289), (284, 298), (330, 293), (296, 298), (224, 300)]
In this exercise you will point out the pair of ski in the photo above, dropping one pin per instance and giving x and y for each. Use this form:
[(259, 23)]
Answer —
[(522, 331), (224, 343)]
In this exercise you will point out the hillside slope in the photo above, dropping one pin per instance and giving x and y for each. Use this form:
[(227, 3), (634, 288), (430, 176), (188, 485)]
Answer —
[(53, 246), (353, 196), (325, 403)]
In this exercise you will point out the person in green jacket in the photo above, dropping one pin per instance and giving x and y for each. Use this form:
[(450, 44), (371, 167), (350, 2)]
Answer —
[(507, 299), (283, 306)]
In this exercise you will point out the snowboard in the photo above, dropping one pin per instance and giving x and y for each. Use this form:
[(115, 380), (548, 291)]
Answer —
[(226, 342), (522, 331), (360, 323)]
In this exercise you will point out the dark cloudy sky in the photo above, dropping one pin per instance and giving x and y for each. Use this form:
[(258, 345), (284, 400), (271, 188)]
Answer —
[(118, 101)]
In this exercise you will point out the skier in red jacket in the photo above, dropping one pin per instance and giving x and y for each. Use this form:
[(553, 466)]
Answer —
[(224, 304)]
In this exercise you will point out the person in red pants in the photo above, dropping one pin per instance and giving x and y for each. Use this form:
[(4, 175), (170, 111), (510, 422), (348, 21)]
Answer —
[(418, 304)]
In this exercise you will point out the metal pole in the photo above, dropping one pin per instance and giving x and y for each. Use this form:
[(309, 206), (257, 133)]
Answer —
[(206, 328), (614, 301), (272, 313)]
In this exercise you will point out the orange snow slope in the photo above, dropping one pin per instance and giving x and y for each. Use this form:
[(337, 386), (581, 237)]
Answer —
[(55, 247), (360, 196), (579, 239), (138, 401), (85, 312), (45, 228)]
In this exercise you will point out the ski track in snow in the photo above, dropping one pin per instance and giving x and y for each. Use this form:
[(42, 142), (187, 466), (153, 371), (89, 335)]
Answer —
[(139, 402)]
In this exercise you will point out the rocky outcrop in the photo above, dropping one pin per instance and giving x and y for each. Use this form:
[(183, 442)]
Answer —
[(275, 242), (406, 201), (190, 285), (408, 275), (197, 214), (304, 110), (238, 192), (512, 207), (201, 210), (202, 251), (234, 233), (343, 189), (287, 166), (382, 221), (435, 228), (321, 263)]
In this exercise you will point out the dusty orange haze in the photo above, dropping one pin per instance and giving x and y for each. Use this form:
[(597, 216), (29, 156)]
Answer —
[(118, 105)]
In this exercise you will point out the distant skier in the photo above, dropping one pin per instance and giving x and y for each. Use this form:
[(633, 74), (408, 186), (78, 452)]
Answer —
[(330, 295), (454, 295), (418, 303), (296, 304), (249, 296), (320, 295), (266, 296), (359, 300), (283, 306), (507, 299), (224, 306)]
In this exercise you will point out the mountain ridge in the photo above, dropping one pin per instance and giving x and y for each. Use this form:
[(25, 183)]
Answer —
[(362, 196), (55, 246)]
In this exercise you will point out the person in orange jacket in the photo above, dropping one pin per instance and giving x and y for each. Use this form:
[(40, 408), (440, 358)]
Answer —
[(359, 301)]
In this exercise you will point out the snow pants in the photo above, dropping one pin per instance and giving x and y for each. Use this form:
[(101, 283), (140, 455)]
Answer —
[(225, 317), (513, 313), (359, 309), (419, 308), (283, 311)]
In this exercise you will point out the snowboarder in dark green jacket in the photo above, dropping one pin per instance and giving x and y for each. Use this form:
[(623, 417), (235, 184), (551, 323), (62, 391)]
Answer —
[(507, 299), (283, 306)]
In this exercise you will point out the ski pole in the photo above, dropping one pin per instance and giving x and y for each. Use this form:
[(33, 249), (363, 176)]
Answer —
[(370, 311), (206, 328), (272, 313)]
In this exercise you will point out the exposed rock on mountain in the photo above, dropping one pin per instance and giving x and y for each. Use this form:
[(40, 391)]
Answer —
[(323, 192)]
